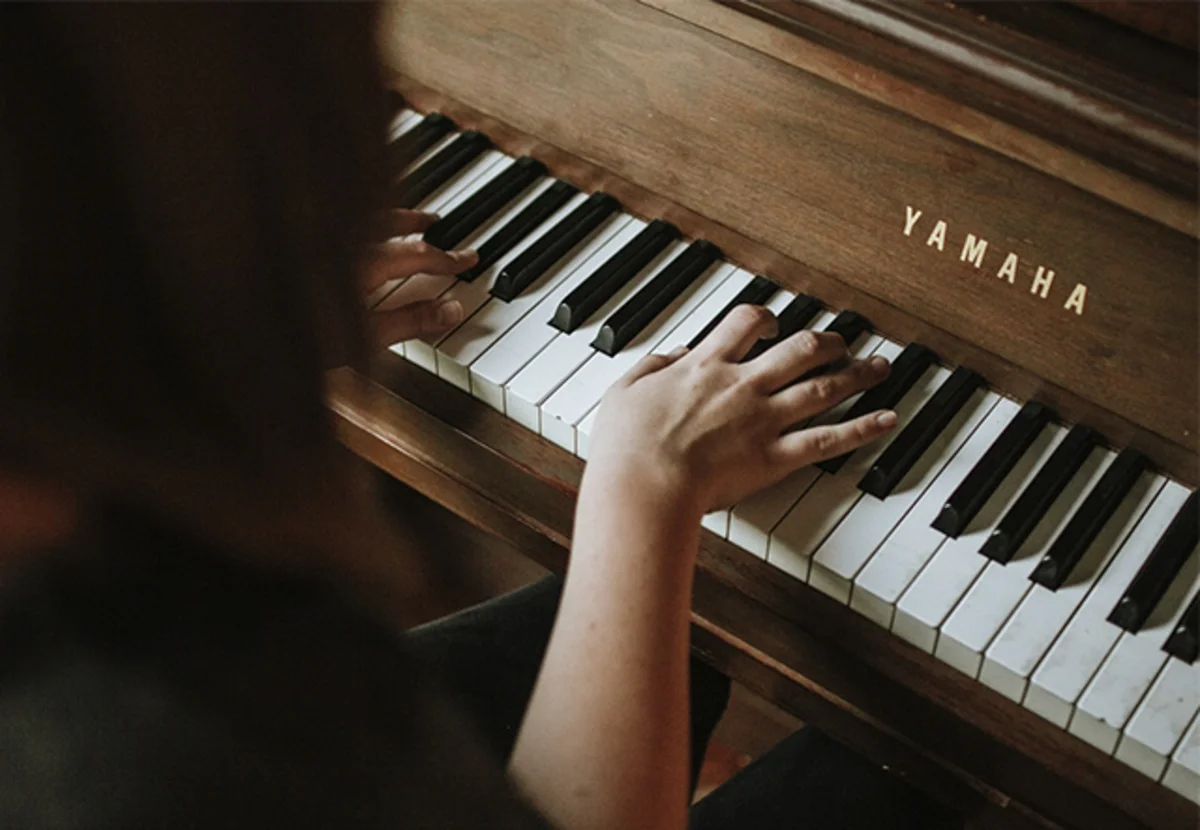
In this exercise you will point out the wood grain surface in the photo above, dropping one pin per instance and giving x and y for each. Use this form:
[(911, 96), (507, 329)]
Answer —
[(823, 176)]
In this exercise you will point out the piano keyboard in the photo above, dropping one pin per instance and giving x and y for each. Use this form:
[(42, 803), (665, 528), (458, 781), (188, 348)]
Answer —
[(1059, 573)]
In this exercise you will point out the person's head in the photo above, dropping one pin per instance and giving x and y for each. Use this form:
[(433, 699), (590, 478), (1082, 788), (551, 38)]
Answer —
[(185, 191)]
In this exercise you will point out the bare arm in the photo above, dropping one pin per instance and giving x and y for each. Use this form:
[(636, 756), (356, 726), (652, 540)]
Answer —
[(605, 739)]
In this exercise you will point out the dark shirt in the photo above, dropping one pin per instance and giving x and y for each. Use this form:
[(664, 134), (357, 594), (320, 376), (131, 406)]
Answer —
[(167, 687)]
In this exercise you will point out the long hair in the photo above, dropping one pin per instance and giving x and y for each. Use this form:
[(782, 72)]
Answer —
[(185, 194)]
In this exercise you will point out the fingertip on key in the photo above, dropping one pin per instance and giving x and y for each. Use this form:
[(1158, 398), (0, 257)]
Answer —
[(886, 419)]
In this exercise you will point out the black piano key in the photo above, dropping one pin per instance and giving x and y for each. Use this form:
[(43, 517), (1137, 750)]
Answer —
[(435, 172), (449, 231), (795, 316), (1083, 527), (635, 314), (895, 462), (987, 474), (553, 245), (405, 149), (1160, 568), (907, 369), (520, 226), (1184, 641), (1029, 508), (756, 292), (612, 276)]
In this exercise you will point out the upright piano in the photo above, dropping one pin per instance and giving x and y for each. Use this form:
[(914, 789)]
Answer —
[(1000, 601)]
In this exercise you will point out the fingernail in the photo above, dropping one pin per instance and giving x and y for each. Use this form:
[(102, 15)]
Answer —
[(678, 351), (878, 363), (449, 312), (886, 419), (466, 256)]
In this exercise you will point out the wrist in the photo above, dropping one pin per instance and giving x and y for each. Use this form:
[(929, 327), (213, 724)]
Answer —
[(644, 486)]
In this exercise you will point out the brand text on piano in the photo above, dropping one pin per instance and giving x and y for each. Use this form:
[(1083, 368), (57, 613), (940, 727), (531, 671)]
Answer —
[(974, 251)]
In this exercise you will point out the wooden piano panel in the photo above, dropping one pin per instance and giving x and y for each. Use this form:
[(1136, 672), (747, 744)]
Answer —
[(825, 177)]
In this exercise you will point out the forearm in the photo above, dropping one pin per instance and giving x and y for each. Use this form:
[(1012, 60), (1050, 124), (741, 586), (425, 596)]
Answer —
[(605, 739)]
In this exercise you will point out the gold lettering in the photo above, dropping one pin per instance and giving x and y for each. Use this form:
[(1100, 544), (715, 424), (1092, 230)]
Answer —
[(1008, 270), (1076, 300), (911, 215), (937, 237), (1041, 282), (973, 250)]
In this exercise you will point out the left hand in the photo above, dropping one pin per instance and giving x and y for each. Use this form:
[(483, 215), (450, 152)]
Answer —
[(401, 257)]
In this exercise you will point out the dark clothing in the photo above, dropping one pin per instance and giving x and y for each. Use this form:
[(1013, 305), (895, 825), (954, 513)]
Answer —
[(186, 692)]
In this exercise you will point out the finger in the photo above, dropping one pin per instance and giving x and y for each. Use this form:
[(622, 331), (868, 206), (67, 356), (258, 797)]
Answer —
[(652, 363), (742, 328), (794, 403), (398, 259), (793, 450), (429, 318), (790, 358), (402, 222)]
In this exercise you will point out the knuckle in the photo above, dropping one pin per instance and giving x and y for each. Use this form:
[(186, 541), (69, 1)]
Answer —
[(745, 316), (423, 249)]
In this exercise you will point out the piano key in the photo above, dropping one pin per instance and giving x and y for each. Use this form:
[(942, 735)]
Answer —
[(850, 325), (752, 521), (718, 520), (470, 294), (1183, 640), (997, 462), (405, 148), (613, 275), (1042, 615), (553, 245), (1080, 649), (757, 292), (450, 230), (459, 349), (529, 335), (907, 368), (982, 608), (852, 543), (1127, 673), (890, 467), (1058, 563), (531, 217), (568, 406), (402, 122), (445, 198), (679, 336), (815, 516), (1157, 726), (1008, 536), (912, 543), (798, 313), (525, 393), (1183, 773), (435, 172), (629, 320), (1160, 568)]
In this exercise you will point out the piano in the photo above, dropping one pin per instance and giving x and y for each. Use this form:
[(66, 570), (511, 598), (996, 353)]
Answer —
[(1000, 601)]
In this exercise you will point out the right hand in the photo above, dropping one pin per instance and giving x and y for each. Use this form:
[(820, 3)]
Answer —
[(713, 430)]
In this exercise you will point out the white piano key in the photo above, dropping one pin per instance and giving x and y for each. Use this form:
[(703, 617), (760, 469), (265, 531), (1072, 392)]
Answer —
[(474, 294), (1183, 773), (444, 199), (459, 349), (682, 334), (1085, 642), (522, 342), (751, 522), (562, 357), (1043, 614), (1130, 668), (1157, 726), (880, 584), (980, 614), (815, 516), (404, 121), (718, 520), (572, 401), (842, 555)]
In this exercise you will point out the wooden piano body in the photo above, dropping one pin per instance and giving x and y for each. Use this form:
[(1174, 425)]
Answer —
[(1021, 210)]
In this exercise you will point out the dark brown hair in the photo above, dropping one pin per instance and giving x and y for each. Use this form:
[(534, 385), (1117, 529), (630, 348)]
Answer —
[(185, 194)]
